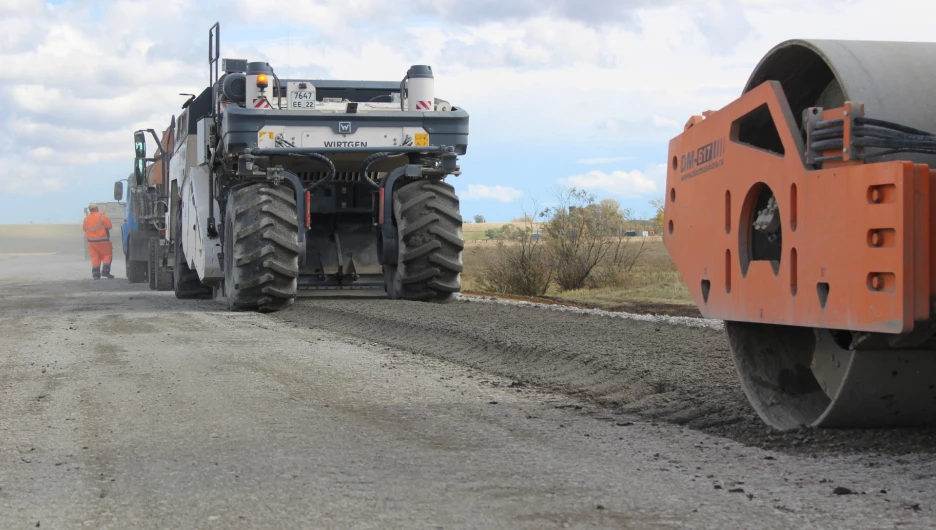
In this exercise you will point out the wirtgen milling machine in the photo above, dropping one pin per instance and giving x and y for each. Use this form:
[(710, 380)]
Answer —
[(803, 214), (278, 185)]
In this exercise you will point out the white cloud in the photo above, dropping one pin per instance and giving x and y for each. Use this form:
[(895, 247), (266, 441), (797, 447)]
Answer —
[(79, 77), (632, 184), (25, 177), (600, 160), (22, 7), (496, 193), (52, 184), (609, 126), (665, 123), (724, 25)]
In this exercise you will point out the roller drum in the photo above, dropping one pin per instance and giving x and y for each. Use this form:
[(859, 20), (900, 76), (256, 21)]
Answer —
[(795, 376), (894, 80)]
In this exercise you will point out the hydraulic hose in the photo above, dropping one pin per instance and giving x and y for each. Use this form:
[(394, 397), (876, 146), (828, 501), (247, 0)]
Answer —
[(365, 165), (872, 133), (891, 125), (280, 141), (328, 164), (876, 142), (896, 151)]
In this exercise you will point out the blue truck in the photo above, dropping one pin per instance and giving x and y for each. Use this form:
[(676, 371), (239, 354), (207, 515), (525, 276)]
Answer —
[(145, 218)]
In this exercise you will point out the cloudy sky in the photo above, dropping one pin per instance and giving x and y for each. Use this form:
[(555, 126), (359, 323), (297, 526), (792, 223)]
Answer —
[(583, 93)]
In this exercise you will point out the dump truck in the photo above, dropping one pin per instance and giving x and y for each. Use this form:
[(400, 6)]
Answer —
[(278, 185), (803, 214), (144, 218)]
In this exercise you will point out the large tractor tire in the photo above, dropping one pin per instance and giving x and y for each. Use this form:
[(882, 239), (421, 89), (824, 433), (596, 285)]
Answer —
[(136, 270), (261, 248), (429, 227), (186, 284)]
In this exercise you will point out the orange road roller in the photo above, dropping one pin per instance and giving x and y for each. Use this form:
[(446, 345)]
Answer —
[(803, 214)]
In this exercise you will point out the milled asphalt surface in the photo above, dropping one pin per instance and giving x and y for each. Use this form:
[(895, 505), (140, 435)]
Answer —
[(659, 368), (121, 407)]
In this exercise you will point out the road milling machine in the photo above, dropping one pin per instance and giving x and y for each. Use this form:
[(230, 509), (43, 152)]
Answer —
[(277, 185), (803, 214)]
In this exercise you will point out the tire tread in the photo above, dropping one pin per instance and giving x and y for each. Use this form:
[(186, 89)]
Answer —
[(265, 248), (430, 244)]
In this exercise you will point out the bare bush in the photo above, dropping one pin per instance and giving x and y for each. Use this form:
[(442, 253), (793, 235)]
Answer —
[(658, 207), (618, 264), (521, 265), (582, 244), (582, 235)]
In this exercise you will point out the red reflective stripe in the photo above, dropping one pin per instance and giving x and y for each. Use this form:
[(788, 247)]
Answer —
[(308, 208)]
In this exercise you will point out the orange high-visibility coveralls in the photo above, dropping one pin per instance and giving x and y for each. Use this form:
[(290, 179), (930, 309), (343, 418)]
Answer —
[(96, 226)]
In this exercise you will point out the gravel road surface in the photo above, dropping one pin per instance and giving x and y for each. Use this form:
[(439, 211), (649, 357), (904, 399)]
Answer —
[(121, 407)]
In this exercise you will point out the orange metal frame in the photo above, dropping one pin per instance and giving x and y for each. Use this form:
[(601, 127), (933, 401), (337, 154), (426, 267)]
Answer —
[(167, 142), (860, 234)]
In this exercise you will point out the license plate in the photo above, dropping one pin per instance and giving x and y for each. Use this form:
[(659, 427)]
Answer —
[(302, 100)]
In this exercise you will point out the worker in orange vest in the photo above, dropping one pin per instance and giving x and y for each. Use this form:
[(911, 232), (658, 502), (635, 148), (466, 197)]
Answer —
[(97, 228)]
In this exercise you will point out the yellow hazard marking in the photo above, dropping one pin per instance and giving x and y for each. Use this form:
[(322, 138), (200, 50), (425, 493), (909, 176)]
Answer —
[(422, 140), (266, 133)]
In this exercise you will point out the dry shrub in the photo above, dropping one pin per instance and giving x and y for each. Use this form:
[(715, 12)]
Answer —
[(582, 245), (618, 264), (521, 265), (587, 241)]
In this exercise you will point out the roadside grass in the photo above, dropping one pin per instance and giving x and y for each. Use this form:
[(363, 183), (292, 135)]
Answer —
[(642, 286), (478, 231), (654, 279), (474, 236)]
